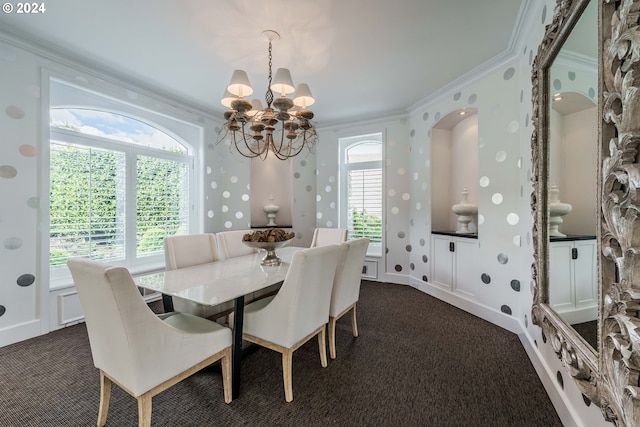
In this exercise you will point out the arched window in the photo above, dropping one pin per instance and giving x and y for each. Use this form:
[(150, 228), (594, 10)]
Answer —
[(118, 186), (361, 189)]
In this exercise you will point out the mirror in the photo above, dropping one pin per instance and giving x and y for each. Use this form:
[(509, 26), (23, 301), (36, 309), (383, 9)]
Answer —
[(572, 177), (608, 373)]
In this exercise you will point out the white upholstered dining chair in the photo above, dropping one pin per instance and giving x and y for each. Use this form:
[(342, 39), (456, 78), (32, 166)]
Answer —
[(134, 348), (188, 250), (346, 287), (231, 244), (298, 312), (328, 236)]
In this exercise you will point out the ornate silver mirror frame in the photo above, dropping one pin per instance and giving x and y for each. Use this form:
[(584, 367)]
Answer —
[(609, 377)]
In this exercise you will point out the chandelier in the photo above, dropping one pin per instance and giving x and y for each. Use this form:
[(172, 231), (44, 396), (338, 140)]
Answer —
[(284, 127)]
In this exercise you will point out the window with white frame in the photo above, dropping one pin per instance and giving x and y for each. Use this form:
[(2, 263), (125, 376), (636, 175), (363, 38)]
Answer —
[(118, 185), (361, 207)]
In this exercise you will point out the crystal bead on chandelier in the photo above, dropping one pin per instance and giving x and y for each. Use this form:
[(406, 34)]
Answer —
[(254, 130)]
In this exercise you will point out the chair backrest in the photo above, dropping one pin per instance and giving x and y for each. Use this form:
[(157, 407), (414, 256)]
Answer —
[(346, 283), (302, 304), (119, 323), (190, 249), (328, 236), (231, 244)]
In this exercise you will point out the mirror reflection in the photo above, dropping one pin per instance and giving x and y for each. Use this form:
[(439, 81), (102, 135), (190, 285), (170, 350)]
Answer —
[(572, 179)]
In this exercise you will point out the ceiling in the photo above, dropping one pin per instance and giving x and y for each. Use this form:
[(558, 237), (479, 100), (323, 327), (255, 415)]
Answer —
[(361, 58)]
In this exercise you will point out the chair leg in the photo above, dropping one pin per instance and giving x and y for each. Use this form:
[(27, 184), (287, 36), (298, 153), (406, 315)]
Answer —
[(354, 323), (332, 337), (322, 345), (105, 397), (287, 361), (226, 375), (144, 410)]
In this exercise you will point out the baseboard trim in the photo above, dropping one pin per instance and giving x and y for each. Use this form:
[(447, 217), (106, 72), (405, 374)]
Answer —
[(547, 377), (20, 332)]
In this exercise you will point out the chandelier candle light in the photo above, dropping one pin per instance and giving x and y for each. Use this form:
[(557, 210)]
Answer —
[(254, 130)]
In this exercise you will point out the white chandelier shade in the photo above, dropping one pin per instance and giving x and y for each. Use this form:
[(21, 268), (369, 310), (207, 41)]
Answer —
[(239, 84)]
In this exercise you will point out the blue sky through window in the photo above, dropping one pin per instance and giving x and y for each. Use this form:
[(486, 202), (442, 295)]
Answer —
[(114, 126)]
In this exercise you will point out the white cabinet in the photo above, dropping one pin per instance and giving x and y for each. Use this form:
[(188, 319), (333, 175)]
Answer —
[(370, 269), (573, 284), (453, 261)]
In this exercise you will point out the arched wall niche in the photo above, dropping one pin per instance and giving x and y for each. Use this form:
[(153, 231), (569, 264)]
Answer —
[(454, 166), (271, 177)]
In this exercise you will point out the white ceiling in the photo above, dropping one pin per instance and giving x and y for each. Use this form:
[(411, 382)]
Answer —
[(361, 58)]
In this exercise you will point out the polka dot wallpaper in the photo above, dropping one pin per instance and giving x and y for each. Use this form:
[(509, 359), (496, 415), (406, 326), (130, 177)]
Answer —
[(19, 110), (502, 270), (228, 190), (498, 193), (394, 266)]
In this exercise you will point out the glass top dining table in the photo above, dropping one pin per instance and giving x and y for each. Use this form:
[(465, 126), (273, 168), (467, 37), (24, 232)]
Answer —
[(220, 281)]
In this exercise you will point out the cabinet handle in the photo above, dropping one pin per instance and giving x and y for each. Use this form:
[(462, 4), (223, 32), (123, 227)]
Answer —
[(574, 253), (452, 247)]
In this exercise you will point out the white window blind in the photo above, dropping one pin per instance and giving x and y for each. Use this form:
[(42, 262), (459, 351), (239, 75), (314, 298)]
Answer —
[(87, 203), (364, 213), (162, 202)]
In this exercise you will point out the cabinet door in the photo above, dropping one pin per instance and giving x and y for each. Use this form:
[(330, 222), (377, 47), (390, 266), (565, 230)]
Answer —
[(561, 291), (585, 273), (442, 262), (464, 267)]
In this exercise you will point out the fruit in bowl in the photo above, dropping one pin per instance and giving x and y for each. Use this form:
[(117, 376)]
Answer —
[(269, 240), (268, 235)]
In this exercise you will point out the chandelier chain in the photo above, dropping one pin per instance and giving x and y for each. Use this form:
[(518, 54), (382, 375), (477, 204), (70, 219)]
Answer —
[(269, 95)]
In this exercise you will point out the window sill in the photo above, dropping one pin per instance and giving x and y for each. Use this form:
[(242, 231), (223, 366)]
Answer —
[(67, 282)]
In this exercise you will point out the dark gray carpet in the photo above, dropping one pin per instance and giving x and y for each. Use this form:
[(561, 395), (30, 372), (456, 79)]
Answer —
[(418, 362), (588, 331)]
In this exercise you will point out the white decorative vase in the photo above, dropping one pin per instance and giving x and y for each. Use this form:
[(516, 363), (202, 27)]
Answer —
[(465, 211), (271, 209), (557, 210)]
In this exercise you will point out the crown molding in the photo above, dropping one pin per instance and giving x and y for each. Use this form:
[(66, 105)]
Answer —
[(18, 38), (49, 51), (363, 121)]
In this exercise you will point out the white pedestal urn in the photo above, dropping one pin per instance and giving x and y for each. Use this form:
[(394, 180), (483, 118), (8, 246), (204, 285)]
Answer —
[(465, 211), (271, 209), (557, 210)]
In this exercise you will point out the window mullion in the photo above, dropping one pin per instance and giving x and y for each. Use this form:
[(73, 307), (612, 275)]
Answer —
[(131, 194)]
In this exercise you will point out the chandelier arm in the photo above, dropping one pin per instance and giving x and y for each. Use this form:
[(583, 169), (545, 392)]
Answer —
[(291, 146), (235, 142), (224, 135), (247, 145)]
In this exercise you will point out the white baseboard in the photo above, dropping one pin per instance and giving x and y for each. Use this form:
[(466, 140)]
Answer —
[(547, 377), (20, 332)]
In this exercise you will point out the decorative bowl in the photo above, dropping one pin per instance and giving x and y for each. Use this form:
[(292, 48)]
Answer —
[(270, 259)]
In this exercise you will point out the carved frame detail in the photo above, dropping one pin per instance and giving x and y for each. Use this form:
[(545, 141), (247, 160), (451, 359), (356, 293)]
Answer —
[(610, 378)]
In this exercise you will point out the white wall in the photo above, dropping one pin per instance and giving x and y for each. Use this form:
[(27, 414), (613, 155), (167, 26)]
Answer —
[(440, 172), (271, 177), (463, 171), (454, 167), (579, 182), (503, 99)]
